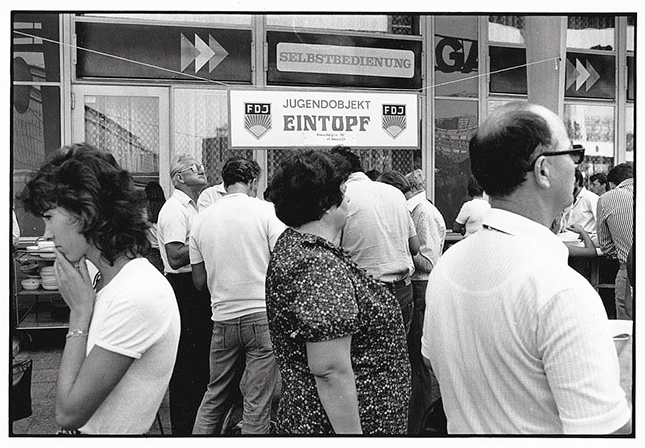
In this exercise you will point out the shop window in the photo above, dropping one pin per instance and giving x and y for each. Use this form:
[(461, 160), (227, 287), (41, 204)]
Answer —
[(593, 127), (393, 24), (593, 32), (200, 120), (631, 30), (506, 29), (211, 19), (379, 159), (35, 40), (35, 112), (504, 78), (455, 123), (629, 131), (456, 56)]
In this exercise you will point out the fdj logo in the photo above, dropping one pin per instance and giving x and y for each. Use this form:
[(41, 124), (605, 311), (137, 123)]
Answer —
[(257, 118), (394, 119)]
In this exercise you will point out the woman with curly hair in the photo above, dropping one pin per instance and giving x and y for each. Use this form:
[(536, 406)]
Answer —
[(124, 323), (337, 333)]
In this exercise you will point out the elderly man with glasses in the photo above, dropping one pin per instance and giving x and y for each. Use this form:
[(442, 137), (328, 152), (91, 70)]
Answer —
[(519, 341), (190, 375)]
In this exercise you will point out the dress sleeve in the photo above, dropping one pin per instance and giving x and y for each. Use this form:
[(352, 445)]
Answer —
[(324, 303)]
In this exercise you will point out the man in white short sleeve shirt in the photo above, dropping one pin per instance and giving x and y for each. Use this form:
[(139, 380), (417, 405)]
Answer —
[(230, 247), (519, 341)]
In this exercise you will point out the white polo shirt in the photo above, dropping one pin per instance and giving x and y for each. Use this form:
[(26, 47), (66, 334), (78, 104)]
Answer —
[(378, 228), (173, 226), (518, 340), (234, 238), (583, 211)]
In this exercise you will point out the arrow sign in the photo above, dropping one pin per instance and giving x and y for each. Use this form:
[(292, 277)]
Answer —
[(212, 53), (219, 53), (583, 74), (593, 76)]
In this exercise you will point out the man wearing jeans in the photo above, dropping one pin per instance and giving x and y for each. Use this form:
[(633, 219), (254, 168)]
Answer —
[(380, 235), (230, 246)]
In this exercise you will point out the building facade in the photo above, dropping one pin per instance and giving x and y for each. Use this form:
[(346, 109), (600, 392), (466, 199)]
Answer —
[(404, 91)]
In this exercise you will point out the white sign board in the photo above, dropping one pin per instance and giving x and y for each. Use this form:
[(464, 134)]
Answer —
[(309, 58), (297, 119)]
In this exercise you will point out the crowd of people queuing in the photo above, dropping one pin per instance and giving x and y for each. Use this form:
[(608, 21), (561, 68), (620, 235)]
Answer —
[(335, 295)]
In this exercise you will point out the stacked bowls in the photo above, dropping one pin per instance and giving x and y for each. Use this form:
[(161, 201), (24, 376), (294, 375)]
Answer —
[(47, 278)]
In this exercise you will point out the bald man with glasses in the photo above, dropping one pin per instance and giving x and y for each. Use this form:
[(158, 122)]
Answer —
[(520, 342)]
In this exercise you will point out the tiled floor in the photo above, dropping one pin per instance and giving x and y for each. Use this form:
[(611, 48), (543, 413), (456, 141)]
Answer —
[(46, 350)]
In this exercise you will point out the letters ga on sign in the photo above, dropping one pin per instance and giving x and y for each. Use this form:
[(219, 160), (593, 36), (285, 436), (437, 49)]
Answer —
[(298, 119)]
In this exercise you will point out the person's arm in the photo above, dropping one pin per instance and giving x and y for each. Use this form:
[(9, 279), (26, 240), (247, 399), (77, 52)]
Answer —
[(330, 363), (178, 254), (199, 275), (605, 242), (458, 227), (83, 383), (414, 245), (590, 248)]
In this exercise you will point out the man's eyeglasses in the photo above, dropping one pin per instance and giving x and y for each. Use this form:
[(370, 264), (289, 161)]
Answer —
[(196, 168), (577, 153)]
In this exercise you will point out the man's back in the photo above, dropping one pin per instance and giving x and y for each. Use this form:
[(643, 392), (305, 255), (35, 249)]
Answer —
[(378, 229), (519, 341), (616, 220), (234, 237)]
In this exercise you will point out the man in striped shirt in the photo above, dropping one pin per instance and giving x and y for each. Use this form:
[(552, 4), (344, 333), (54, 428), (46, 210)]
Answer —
[(616, 231)]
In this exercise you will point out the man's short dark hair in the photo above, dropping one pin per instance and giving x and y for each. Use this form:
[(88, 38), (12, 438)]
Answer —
[(504, 147), (396, 179), (353, 161), (240, 169), (580, 178), (600, 177), (620, 173), (474, 189)]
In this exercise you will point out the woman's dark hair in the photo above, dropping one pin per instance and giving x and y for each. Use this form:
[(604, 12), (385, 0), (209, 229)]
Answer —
[(396, 179), (155, 200), (90, 184), (474, 189), (306, 185), (353, 161)]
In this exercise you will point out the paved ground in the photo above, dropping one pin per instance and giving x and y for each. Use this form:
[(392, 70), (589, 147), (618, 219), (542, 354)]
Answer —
[(46, 349)]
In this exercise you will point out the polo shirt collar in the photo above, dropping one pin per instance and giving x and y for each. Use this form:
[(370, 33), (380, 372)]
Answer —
[(354, 177), (415, 200), (626, 183), (182, 197), (517, 225)]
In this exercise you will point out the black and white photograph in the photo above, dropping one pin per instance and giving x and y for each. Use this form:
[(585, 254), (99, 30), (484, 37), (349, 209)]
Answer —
[(275, 224)]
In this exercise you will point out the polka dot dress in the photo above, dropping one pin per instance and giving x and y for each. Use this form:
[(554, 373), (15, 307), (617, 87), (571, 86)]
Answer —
[(315, 292)]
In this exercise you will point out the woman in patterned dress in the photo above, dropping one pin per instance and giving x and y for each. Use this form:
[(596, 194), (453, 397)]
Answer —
[(338, 333)]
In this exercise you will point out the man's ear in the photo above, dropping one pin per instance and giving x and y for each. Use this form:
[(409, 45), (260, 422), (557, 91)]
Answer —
[(542, 172)]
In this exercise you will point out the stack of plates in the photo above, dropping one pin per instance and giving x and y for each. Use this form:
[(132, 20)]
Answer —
[(47, 278)]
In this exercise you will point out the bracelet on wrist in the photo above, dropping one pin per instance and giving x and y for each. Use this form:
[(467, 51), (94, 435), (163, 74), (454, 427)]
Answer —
[(78, 333)]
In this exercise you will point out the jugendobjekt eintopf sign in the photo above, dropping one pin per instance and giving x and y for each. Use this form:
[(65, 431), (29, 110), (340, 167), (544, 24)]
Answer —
[(292, 119)]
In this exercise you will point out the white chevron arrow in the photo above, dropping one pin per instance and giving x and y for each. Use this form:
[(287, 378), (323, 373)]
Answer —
[(593, 76), (582, 77), (212, 53), (219, 53)]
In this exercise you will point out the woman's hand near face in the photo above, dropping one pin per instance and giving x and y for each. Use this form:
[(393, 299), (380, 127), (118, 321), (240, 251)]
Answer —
[(75, 285)]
